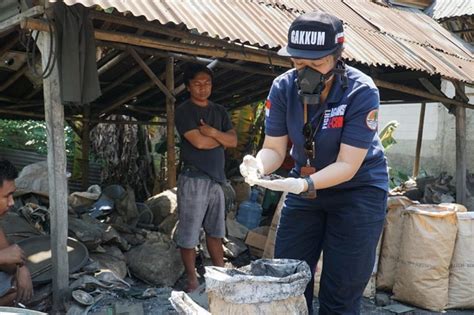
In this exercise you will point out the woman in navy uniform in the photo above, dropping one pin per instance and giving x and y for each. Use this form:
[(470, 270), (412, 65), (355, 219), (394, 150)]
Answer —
[(338, 187)]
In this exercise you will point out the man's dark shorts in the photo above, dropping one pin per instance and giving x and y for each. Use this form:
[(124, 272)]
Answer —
[(201, 203)]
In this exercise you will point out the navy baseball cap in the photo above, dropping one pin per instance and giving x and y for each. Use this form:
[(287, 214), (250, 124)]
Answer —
[(313, 35)]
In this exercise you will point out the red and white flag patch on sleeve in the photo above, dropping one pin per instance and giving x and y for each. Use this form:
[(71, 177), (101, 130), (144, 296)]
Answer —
[(268, 104)]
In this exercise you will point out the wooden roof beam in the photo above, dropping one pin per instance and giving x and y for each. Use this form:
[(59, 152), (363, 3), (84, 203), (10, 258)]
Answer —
[(152, 75), (127, 75), (163, 30), (426, 95), (251, 85), (13, 78), (112, 63), (167, 45), (427, 84), (15, 20), (119, 101), (195, 59), (9, 45)]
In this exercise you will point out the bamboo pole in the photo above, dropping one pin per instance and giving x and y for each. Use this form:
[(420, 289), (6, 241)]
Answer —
[(419, 139), (170, 125), (169, 45)]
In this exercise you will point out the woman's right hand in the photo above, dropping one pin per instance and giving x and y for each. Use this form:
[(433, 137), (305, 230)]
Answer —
[(251, 167)]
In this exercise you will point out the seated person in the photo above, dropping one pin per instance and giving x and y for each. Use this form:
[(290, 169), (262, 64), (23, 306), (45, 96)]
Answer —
[(15, 279)]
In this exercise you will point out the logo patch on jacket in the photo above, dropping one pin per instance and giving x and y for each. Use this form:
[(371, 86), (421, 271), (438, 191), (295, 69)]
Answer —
[(372, 119), (268, 104), (334, 118)]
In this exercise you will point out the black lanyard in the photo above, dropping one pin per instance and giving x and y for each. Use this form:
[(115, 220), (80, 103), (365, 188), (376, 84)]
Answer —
[(309, 131)]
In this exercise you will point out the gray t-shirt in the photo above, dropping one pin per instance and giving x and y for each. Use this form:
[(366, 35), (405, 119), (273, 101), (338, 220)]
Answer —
[(187, 117)]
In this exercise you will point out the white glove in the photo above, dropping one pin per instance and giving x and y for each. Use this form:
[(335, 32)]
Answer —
[(251, 167), (290, 184)]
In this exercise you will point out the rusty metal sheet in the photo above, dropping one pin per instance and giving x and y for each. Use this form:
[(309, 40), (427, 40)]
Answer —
[(376, 34)]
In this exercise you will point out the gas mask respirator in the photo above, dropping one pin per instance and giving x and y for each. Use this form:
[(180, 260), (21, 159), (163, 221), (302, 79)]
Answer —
[(310, 85)]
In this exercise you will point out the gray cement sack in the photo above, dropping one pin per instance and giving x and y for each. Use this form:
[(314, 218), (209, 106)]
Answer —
[(266, 286), (461, 273), (391, 237), (426, 250)]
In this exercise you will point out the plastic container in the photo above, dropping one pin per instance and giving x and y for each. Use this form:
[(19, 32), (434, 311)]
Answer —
[(250, 211)]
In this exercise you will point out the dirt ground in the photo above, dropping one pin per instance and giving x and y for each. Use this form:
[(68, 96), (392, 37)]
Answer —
[(160, 304)]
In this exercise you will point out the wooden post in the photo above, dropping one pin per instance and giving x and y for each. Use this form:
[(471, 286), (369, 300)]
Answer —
[(416, 167), (461, 157), (85, 147), (171, 154), (54, 116)]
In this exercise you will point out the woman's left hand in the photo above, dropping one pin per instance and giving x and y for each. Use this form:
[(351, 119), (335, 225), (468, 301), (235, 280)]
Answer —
[(291, 185)]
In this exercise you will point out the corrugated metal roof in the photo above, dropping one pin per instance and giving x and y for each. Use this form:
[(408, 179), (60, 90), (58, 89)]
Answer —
[(445, 9), (376, 34)]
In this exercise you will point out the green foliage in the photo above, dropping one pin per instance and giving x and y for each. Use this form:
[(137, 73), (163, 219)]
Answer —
[(30, 135), (386, 135)]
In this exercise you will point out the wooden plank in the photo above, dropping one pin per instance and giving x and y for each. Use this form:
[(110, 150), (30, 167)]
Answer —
[(54, 116), (150, 73), (171, 154), (416, 167), (173, 46), (16, 19)]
